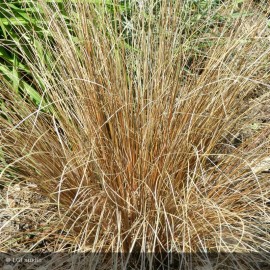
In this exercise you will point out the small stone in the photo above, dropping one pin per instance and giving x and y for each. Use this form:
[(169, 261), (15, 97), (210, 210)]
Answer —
[(16, 188), (205, 267), (42, 268), (7, 267)]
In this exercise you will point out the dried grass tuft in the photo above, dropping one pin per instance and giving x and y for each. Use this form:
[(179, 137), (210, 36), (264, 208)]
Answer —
[(133, 144)]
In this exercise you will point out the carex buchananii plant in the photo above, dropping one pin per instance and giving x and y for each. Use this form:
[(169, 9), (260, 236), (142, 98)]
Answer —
[(132, 139)]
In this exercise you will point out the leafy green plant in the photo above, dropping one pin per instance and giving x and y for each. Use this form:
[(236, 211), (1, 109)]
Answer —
[(14, 17)]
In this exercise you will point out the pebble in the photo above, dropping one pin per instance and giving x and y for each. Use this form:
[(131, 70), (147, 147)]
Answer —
[(42, 268), (7, 267)]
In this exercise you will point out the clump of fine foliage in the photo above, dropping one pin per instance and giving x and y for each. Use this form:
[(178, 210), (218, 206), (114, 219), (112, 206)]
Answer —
[(131, 138)]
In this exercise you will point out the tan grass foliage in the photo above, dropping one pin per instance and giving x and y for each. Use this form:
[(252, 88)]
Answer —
[(133, 143)]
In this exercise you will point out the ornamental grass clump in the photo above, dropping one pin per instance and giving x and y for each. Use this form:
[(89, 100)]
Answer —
[(132, 136)]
